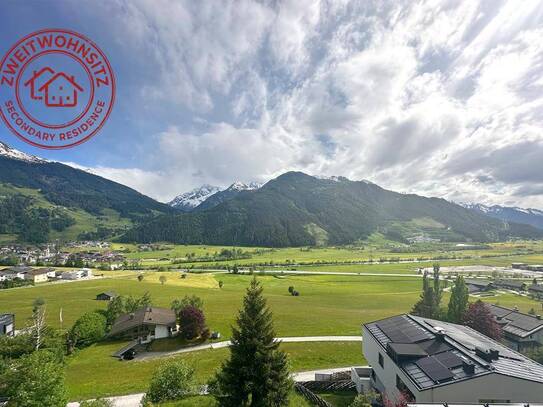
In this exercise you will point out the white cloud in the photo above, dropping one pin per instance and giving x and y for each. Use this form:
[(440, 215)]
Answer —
[(435, 97)]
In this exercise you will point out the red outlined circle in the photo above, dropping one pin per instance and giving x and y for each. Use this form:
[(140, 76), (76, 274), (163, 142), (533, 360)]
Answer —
[(101, 102)]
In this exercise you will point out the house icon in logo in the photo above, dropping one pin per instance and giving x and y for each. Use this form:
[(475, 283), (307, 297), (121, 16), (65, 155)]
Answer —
[(37, 80), (56, 89)]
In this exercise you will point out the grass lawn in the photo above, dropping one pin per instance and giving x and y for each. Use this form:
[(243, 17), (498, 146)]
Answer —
[(92, 372), (207, 401), (327, 305), (339, 398)]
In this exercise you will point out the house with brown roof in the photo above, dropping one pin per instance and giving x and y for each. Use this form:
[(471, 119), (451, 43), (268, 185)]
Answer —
[(145, 324)]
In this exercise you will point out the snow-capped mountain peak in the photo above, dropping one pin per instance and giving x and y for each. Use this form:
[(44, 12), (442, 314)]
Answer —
[(528, 216), (7, 151), (240, 186), (191, 199)]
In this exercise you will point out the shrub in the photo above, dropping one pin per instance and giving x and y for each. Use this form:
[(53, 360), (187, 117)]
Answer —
[(89, 328), (173, 380), (291, 289), (192, 322)]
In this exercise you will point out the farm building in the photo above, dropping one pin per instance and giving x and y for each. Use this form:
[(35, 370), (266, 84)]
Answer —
[(7, 324), (536, 290), (432, 361), (519, 265), (520, 331), (145, 325), (36, 275), (477, 286), (11, 273), (510, 285), (106, 296)]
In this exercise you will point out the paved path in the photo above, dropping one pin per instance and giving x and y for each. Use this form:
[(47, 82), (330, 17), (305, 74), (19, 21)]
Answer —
[(133, 400), (224, 344)]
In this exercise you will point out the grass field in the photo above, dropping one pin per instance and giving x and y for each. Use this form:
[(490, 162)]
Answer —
[(327, 305), (92, 372), (363, 252)]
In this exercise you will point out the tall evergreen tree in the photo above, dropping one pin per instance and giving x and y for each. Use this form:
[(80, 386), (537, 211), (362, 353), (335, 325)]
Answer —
[(458, 304), (424, 307), (257, 373), (438, 290), (430, 299)]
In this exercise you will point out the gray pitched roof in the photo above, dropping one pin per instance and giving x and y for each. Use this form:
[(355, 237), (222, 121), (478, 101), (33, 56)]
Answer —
[(6, 319), (144, 316), (515, 322), (450, 349)]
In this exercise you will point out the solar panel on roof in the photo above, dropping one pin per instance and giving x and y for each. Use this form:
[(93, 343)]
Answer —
[(434, 369), (449, 359), (401, 330), (433, 346)]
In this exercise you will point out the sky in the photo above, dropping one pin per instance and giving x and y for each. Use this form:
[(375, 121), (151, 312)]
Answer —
[(439, 98)]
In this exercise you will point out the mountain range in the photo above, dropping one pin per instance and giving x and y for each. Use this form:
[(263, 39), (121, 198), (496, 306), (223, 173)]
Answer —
[(528, 216), (208, 196), (42, 200), (297, 209)]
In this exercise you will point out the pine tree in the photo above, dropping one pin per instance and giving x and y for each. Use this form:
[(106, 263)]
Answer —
[(438, 291), (458, 304), (257, 373)]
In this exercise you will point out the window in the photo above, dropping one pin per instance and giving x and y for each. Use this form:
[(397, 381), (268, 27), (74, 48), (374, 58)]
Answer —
[(373, 377), (381, 361)]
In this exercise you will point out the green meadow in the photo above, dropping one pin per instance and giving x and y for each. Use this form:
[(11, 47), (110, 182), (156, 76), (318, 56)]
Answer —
[(332, 304)]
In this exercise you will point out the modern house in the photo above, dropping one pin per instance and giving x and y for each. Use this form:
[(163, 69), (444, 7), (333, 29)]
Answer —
[(520, 331), (145, 325), (77, 274), (106, 296), (430, 361), (7, 324)]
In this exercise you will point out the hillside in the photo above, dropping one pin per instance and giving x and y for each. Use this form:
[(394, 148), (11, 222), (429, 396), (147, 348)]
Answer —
[(533, 217), (296, 209), (42, 200)]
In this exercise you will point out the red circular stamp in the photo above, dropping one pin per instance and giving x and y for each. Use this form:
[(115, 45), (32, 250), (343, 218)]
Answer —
[(57, 89)]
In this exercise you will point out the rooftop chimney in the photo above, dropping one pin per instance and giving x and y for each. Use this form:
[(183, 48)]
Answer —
[(468, 367)]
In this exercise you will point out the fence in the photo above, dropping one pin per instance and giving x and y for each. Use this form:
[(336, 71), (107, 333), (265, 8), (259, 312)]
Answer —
[(312, 397), (329, 385)]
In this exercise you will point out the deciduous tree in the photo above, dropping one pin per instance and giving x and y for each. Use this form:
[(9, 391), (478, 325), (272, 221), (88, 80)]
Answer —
[(36, 380), (479, 317)]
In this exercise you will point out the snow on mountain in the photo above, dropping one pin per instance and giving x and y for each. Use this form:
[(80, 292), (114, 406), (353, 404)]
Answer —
[(528, 216), (191, 199), (240, 186), (197, 197), (7, 151)]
